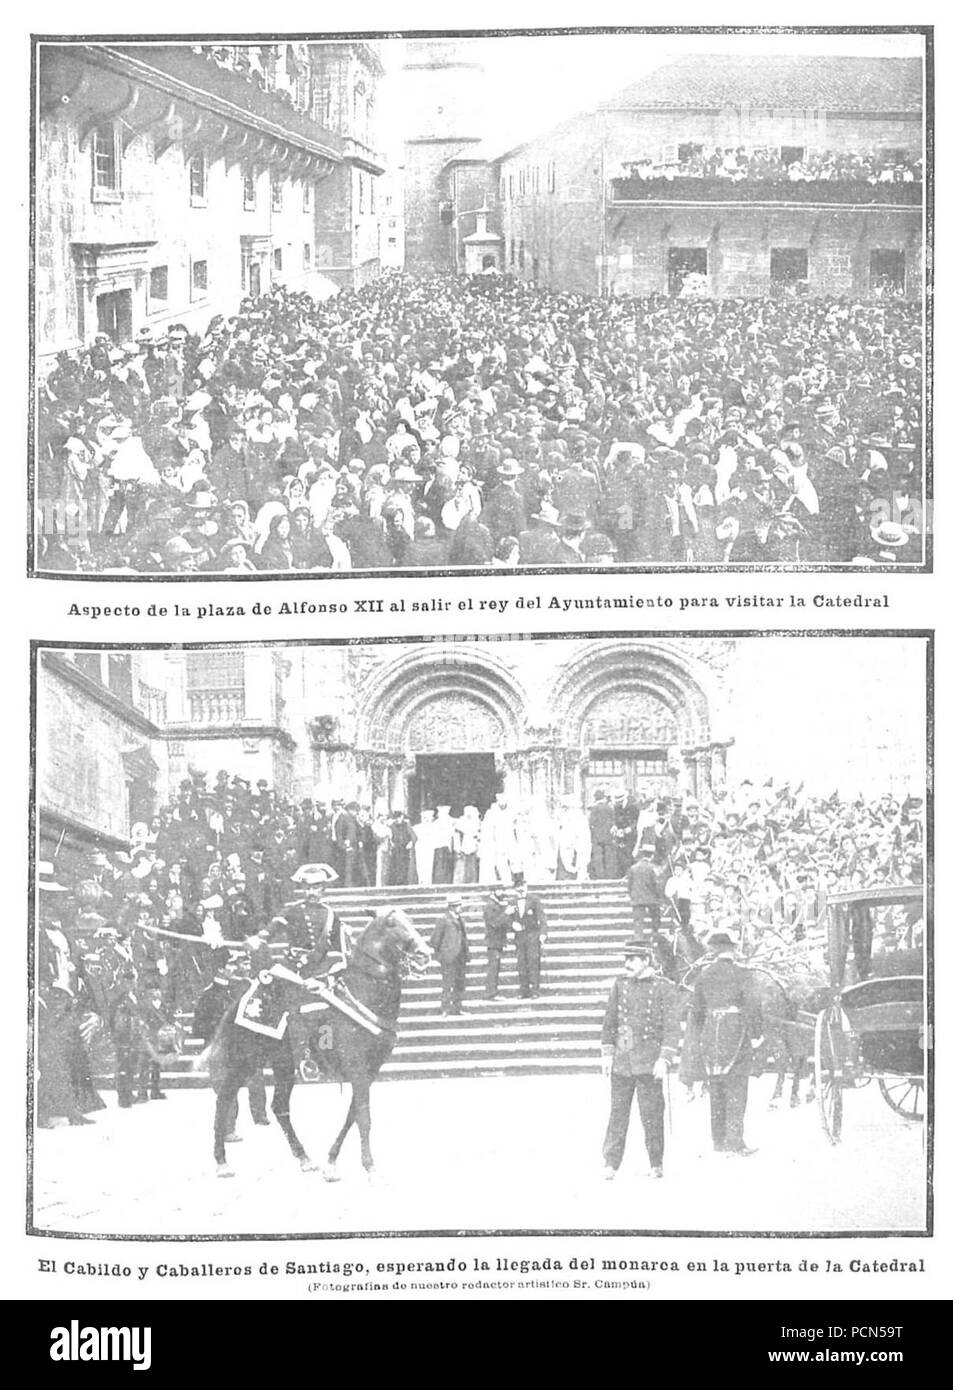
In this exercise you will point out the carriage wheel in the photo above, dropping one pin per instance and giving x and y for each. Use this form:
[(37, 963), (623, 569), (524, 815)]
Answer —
[(904, 1094), (830, 1052)]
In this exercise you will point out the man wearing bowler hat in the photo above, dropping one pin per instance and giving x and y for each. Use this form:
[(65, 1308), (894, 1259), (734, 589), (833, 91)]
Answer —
[(449, 945), (640, 1037), (725, 1023)]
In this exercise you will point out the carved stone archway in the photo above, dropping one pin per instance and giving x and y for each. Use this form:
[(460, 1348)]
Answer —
[(452, 699), (639, 703)]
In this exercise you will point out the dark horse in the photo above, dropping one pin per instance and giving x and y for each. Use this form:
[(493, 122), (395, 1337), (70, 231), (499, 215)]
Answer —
[(388, 948)]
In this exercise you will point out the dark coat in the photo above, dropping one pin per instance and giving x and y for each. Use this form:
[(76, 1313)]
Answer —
[(641, 1024), (724, 1016), (449, 940), (497, 922), (504, 512), (642, 881), (533, 917), (601, 822)]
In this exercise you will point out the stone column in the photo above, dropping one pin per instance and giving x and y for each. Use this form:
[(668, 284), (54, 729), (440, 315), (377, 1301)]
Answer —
[(719, 765), (177, 710), (703, 772), (690, 761)]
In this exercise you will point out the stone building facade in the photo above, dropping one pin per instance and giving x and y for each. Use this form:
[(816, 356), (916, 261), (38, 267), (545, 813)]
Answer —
[(420, 724), (572, 219), (445, 166), (103, 759), (173, 179)]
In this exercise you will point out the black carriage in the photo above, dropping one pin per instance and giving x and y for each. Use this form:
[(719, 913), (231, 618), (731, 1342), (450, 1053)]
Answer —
[(874, 1027)]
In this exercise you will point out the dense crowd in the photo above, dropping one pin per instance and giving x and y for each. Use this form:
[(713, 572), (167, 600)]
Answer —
[(485, 422), (132, 943), (770, 166)]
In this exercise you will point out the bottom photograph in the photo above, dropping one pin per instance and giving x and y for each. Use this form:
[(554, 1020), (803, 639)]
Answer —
[(610, 934)]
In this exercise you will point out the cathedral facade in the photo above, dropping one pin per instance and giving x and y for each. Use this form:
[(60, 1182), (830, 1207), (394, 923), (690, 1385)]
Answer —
[(419, 724)]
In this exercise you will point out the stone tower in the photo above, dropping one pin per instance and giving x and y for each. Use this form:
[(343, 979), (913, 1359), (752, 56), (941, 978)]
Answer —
[(443, 86)]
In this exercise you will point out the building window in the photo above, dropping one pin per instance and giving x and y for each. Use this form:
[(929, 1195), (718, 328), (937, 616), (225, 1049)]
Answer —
[(199, 279), (373, 206), (509, 187), (107, 158), (276, 259), (551, 176), (535, 184), (306, 256), (522, 178), (306, 197), (159, 284), (788, 266), (887, 271), (197, 180), (277, 194), (684, 261), (215, 686), (249, 190), (360, 192)]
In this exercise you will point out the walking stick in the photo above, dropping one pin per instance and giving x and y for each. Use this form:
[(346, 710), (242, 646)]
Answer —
[(668, 1101)]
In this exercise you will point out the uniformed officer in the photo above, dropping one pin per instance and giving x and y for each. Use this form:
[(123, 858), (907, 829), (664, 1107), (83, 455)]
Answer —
[(529, 930), (725, 1023), (315, 935), (640, 1037)]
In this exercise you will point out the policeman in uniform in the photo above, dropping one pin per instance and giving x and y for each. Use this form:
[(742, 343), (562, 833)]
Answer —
[(725, 1022), (640, 1038)]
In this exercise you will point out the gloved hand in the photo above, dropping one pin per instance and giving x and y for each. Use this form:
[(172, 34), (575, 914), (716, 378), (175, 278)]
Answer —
[(660, 1070), (607, 1064)]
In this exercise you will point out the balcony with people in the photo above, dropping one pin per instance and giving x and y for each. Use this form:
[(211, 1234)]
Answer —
[(787, 174)]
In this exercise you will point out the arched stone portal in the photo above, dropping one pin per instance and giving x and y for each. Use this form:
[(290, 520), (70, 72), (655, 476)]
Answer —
[(634, 716), (439, 726), (451, 724)]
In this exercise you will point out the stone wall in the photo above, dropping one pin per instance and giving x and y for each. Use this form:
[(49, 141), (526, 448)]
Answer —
[(739, 241), (81, 774), (553, 196)]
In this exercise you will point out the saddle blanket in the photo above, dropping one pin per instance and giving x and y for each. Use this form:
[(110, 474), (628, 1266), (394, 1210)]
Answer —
[(261, 1010)]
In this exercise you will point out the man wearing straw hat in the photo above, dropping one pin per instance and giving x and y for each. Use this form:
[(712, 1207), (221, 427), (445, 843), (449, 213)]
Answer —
[(640, 1038)]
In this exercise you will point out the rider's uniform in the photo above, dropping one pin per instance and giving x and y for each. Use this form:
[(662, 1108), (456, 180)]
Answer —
[(316, 938)]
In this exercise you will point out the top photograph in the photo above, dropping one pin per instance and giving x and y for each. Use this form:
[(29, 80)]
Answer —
[(326, 306)]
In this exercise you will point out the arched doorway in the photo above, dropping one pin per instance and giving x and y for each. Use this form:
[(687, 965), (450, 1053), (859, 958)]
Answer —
[(452, 740), (437, 728), (633, 718)]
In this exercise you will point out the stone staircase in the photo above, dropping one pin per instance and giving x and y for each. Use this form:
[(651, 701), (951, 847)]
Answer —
[(557, 1032)]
